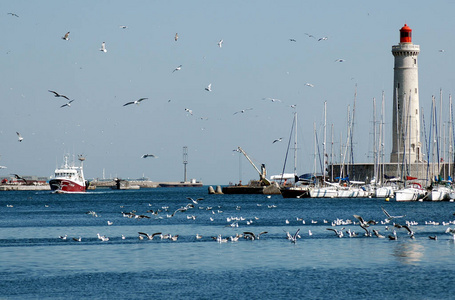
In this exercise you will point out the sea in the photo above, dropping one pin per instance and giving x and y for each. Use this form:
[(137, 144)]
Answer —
[(36, 263)]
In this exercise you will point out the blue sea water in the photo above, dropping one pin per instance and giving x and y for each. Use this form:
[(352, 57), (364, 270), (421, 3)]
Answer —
[(35, 263)]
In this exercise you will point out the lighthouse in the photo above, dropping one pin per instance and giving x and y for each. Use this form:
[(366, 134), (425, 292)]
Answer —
[(406, 147)]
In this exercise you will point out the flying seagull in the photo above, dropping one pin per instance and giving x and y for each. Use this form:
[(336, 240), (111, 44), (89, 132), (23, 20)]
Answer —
[(278, 140), (309, 84), (66, 37), (177, 69), (123, 27), (103, 47), (339, 60), (292, 40), (310, 35), (19, 137), (176, 37), (323, 39), (147, 155), (252, 236), (195, 201), (13, 14), (242, 111), (135, 102), (272, 99), (389, 217), (209, 88), (189, 111), (67, 104), (19, 178), (58, 95), (220, 43)]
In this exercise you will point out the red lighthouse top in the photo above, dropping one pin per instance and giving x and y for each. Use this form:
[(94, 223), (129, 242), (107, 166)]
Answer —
[(405, 34)]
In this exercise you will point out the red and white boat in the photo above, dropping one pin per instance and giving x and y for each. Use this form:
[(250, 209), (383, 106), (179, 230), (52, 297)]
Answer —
[(69, 178)]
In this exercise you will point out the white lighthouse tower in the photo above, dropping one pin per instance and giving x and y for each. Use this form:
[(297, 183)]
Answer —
[(406, 145)]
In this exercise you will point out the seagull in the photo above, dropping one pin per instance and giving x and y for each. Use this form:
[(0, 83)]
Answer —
[(195, 201), (451, 231), (278, 140), (252, 236), (310, 35), (339, 233), (58, 95), (77, 239), (67, 104), (149, 236), (389, 217), (19, 137), (123, 27), (176, 37), (363, 223), (110, 223), (339, 60), (441, 50), (63, 237), (323, 39), (189, 111), (13, 14), (242, 111), (220, 43), (209, 88), (309, 84), (135, 102), (19, 178), (292, 40), (103, 47), (272, 99), (376, 233), (293, 106), (66, 36), (177, 69), (293, 238), (102, 237), (394, 236), (433, 237), (147, 155)]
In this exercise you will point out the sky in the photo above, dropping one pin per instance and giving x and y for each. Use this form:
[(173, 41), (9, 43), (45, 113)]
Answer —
[(256, 63)]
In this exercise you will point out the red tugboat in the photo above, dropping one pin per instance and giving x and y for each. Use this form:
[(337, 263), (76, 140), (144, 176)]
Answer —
[(69, 178)]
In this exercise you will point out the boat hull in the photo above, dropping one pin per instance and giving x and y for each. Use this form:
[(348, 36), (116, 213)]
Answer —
[(66, 186), (295, 192)]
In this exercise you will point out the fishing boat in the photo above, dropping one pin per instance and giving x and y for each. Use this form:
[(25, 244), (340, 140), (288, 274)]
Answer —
[(69, 178)]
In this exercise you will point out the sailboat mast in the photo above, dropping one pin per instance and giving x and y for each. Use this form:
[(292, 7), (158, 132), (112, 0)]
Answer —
[(375, 152), (295, 143), (324, 150)]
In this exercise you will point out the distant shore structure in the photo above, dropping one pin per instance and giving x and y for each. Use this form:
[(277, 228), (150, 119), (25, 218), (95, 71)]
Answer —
[(406, 108)]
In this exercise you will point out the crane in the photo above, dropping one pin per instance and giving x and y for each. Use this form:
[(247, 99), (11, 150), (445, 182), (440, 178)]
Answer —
[(262, 173)]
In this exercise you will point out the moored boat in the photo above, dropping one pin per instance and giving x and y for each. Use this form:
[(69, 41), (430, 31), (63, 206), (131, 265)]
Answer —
[(69, 178)]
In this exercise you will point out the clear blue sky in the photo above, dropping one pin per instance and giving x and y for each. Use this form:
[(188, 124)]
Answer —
[(257, 60)]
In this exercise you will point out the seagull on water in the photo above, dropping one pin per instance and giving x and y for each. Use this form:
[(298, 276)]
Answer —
[(209, 88), (77, 239), (103, 47), (67, 104), (451, 231), (135, 101), (63, 237), (19, 137), (66, 36), (102, 237), (220, 43), (58, 95), (177, 69), (293, 238), (147, 155), (110, 223)]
